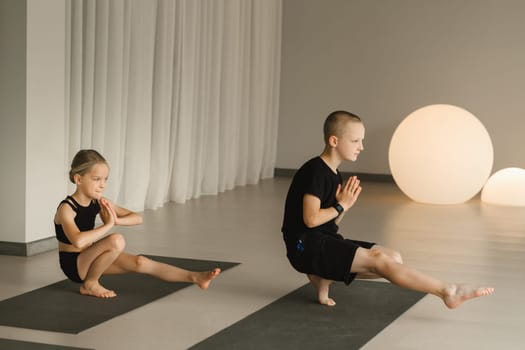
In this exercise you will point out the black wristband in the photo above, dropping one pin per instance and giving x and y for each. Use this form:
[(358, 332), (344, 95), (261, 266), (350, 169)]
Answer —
[(339, 208)]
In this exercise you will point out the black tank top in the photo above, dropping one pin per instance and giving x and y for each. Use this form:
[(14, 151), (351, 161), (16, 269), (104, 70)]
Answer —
[(85, 218)]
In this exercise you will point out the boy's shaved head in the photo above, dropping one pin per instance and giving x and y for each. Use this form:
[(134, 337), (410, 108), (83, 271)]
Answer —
[(335, 123)]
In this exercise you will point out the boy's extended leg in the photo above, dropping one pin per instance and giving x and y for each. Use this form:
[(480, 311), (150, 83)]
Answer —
[(323, 287), (376, 262)]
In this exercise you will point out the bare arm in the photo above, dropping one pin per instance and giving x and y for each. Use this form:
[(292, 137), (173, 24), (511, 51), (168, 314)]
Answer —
[(82, 239), (314, 215), (122, 216)]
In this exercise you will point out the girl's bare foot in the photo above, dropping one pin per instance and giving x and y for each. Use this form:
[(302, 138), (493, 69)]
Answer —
[(455, 295), (96, 290), (203, 279)]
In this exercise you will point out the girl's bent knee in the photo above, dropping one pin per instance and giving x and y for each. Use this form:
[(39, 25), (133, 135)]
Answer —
[(117, 241)]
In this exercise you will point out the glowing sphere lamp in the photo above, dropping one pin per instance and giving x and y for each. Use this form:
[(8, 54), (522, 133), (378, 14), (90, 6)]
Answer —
[(505, 187), (440, 154)]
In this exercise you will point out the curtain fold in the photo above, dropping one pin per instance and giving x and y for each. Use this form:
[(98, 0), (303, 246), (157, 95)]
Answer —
[(180, 96)]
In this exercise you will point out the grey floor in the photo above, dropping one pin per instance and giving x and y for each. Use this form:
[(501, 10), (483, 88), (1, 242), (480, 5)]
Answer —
[(472, 243)]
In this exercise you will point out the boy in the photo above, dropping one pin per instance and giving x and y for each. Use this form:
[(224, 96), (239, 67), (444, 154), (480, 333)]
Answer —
[(316, 203)]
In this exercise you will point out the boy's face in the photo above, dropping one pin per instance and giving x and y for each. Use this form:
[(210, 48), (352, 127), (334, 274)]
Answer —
[(350, 143)]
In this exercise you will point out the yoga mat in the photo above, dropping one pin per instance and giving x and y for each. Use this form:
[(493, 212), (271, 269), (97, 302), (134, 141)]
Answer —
[(59, 307), (24, 345), (297, 321)]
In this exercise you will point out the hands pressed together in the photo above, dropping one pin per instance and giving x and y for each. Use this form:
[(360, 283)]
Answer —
[(347, 194), (107, 213)]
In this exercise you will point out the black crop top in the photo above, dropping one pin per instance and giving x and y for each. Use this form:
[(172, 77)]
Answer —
[(85, 218)]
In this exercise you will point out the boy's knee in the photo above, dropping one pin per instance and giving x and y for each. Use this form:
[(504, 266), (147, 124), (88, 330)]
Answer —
[(377, 254), (380, 258), (397, 257), (387, 253)]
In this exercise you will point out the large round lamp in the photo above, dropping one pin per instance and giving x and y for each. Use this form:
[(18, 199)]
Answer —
[(505, 187), (440, 154)]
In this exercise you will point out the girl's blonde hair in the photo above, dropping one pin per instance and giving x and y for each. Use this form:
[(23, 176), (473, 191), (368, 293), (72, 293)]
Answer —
[(83, 161)]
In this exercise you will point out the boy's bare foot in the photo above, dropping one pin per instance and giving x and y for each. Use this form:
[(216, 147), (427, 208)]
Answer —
[(96, 290), (455, 295), (204, 279), (327, 302), (323, 287)]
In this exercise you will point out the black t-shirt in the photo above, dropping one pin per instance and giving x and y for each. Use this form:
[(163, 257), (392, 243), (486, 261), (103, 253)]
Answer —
[(316, 178)]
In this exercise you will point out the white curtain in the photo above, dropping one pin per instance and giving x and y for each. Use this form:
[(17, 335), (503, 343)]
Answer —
[(180, 96)]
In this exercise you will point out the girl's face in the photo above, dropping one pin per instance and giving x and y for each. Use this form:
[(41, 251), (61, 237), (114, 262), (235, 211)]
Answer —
[(93, 183), (350, 144)]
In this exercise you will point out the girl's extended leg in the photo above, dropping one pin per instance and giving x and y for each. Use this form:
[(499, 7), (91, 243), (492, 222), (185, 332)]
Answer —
[(377, 262), (141, 264), (93, 261)]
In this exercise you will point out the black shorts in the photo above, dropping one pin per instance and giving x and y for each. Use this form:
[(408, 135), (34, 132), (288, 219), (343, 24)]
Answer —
[(326, 255), (68, 264)]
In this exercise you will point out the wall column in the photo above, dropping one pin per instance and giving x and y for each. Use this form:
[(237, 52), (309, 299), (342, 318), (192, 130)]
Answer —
[(32, 122)]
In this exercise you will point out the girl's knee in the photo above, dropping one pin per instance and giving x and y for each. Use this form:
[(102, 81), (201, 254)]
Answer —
[(141, 263), (117, 241)]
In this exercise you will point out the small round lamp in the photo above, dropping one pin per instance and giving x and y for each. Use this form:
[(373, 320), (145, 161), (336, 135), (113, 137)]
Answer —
[(505, 187)]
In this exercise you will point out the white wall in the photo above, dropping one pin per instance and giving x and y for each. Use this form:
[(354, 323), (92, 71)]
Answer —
[(12, 119), (45, 132), (384, 59), (32, 119)]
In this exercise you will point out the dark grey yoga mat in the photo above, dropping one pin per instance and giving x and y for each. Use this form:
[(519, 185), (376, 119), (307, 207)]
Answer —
[(296, 321), (60, 308)]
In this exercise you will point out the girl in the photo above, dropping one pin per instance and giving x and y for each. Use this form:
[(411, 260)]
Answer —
[(85, 254)]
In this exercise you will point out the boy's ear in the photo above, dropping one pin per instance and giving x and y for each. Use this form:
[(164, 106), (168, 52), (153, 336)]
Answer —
[(332, 141)]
